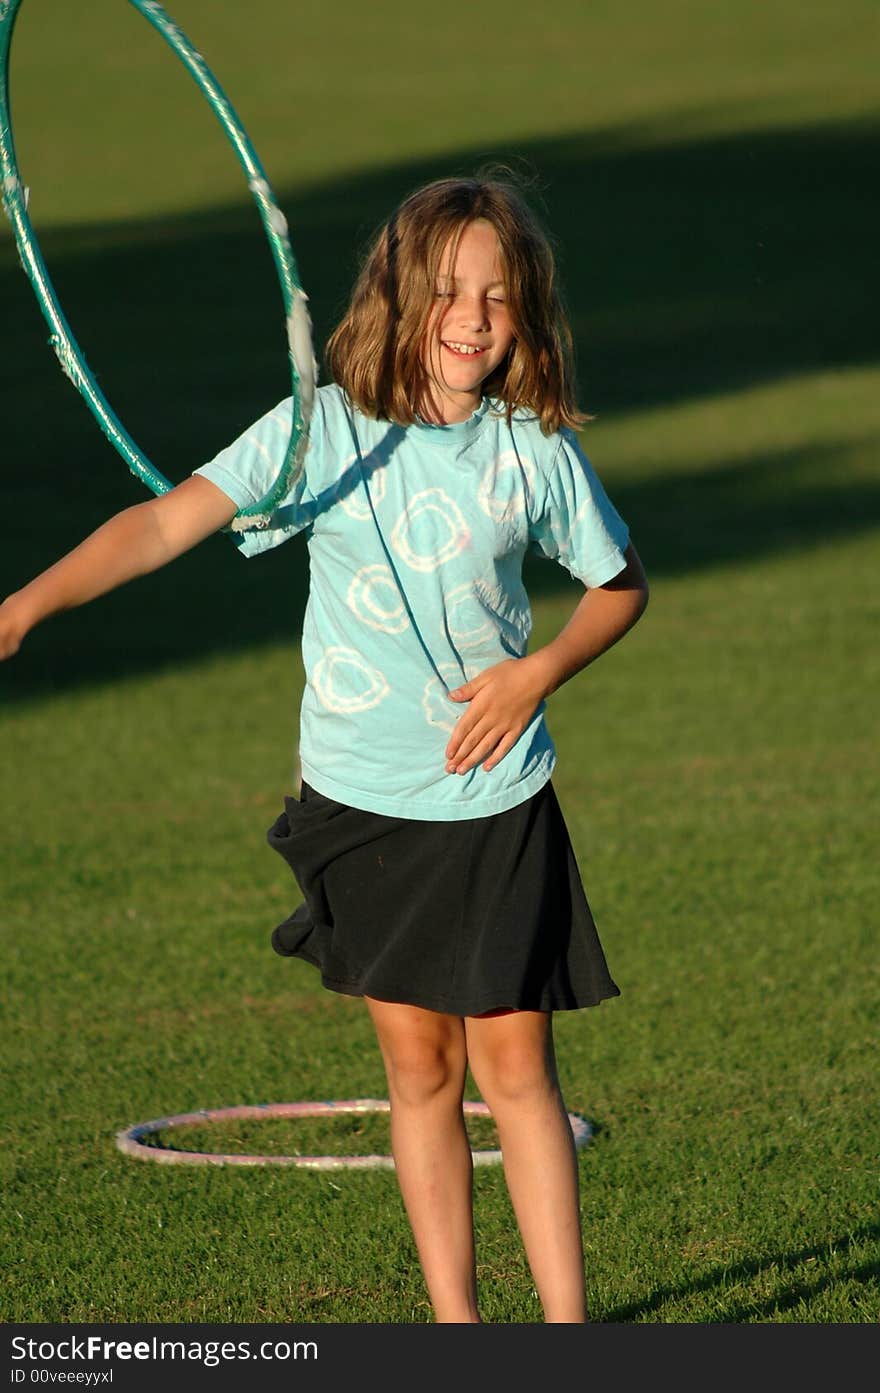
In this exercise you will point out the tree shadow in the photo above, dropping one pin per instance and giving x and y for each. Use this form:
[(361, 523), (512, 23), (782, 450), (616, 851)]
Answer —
[(690, 268), (742, 1312)]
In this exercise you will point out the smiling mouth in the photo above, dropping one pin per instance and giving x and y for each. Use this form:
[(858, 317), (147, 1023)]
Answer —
[(462, 350)]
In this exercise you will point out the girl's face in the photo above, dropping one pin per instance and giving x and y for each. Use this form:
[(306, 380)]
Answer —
[(470, 330)]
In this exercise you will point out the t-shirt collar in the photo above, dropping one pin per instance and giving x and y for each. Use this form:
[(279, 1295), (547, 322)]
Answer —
[(455, 433)]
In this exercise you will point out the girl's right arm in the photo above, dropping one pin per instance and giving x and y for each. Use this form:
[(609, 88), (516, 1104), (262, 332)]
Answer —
[(132, 543)]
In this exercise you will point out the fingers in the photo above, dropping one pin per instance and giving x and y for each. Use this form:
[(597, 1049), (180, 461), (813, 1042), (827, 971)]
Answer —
[(501, 702), (475, 745), (457, 756), (506, 743)]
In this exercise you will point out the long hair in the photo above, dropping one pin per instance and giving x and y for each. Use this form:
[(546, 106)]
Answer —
[(375, 352)]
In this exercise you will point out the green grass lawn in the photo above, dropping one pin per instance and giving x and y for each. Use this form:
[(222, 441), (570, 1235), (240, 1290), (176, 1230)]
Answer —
[(718, 769)]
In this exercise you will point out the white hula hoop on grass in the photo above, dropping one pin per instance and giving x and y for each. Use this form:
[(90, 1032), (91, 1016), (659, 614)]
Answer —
[(131, 1143)]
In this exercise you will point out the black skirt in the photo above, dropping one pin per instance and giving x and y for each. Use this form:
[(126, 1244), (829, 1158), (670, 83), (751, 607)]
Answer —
[(461, 917)]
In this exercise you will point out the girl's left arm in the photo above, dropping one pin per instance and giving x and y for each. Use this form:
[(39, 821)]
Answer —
[(503, 698)]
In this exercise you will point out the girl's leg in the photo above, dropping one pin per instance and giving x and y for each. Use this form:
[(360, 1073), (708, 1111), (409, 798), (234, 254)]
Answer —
[(426, 1062), (514, 1066)]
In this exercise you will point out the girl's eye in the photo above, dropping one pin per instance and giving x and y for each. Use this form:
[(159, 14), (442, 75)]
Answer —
[(497, 300)]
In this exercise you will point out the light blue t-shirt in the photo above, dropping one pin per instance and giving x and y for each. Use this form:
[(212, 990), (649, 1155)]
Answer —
[(416, 540)]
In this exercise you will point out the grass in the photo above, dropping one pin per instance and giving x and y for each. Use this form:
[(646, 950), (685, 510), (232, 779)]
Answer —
[(718, 770)]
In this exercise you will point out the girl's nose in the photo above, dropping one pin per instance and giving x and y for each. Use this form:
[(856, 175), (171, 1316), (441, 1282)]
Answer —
[(473, 313)]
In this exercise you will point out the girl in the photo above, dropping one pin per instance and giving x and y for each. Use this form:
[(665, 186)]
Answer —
[(438, 877)]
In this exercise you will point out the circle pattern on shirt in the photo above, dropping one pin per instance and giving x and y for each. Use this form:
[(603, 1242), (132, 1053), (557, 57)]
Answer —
[(504, 500), (469, 625), (430, 531), (355, 500), (375, 598), (438, 709), (345, 683)]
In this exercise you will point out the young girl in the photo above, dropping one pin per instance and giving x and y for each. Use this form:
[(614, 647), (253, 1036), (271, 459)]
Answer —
[(438, 877)]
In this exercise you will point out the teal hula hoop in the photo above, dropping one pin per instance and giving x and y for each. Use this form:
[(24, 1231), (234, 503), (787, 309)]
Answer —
[(303, 369)]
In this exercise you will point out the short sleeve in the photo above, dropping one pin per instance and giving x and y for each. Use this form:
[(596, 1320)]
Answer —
[(247, 469), (575, 522)]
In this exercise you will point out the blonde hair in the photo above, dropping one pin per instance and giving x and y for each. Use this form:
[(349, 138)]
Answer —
[(375, 352)]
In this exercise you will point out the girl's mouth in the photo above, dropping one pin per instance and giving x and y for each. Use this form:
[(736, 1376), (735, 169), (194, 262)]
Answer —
[(462, 350)]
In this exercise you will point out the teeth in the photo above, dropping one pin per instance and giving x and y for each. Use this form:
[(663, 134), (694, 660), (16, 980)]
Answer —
[(463, 347)]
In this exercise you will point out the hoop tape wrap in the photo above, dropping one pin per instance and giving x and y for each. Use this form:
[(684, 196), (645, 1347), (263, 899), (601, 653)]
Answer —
[(130, 1141), (303, 368)]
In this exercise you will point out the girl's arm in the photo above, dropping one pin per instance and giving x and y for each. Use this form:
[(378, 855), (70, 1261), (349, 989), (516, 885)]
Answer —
[(503, 698), (603, 615), (132, 543)]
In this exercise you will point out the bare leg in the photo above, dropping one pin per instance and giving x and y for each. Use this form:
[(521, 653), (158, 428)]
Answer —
[(426, 1062), (514, 1066)]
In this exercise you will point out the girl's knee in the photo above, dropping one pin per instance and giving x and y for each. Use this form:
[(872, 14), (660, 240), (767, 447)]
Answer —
[(424, 1052), (515, 1075), (512, 1060), (418, 1074)]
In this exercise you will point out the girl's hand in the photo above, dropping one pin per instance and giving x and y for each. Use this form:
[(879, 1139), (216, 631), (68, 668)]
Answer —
[(12, 629), (501, 701)]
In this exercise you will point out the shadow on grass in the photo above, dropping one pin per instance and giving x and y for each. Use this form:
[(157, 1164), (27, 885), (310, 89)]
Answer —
[(690, 268), (770, 1309)]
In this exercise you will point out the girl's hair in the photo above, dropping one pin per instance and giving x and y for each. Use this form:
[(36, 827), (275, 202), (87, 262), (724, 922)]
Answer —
[(375, 353)]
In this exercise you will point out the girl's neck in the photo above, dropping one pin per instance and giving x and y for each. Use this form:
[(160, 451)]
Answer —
[(434, 413)]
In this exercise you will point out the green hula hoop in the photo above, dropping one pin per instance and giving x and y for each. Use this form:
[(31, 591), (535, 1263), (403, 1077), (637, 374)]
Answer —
[(303, 369)]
